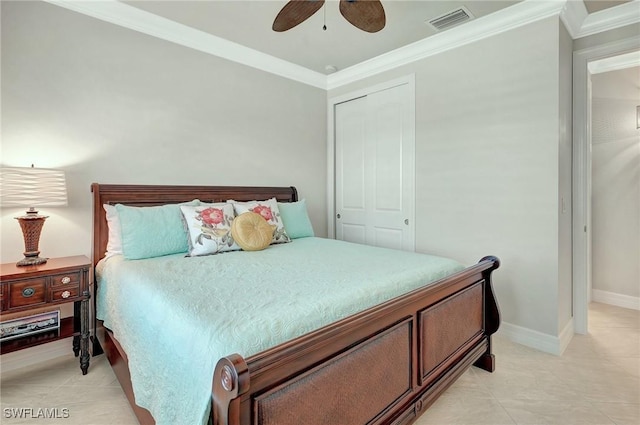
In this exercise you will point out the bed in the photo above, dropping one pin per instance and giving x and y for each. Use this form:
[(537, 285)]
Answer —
[(384, 364)]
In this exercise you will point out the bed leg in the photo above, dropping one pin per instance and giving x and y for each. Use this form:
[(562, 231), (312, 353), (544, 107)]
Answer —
[(230, 381), (491, 317), (487, 361)]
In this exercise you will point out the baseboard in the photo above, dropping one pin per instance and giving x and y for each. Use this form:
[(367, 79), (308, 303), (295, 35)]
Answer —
[(566, 336), (35, 355), (540, 341), (619, 300)]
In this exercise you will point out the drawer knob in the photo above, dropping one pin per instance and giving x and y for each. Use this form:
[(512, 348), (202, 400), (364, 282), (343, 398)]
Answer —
[(66, 280), (27, 292), (65, 294)]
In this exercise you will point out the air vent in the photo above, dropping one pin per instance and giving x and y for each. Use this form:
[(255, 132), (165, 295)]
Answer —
[(451, 19)]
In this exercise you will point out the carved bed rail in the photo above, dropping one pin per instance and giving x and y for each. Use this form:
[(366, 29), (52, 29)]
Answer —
[(385, 365)]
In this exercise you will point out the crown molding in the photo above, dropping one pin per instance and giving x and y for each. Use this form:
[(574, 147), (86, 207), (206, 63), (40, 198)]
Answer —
[(572, 12), (498, 22), (573, 15), (122, 14), (614, 63), (612, 18)]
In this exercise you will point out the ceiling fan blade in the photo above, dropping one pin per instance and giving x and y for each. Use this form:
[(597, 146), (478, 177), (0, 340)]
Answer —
[(368, 15), (294, 13)]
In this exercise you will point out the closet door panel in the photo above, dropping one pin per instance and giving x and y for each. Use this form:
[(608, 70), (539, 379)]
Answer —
[(351, 157), (374, 145)]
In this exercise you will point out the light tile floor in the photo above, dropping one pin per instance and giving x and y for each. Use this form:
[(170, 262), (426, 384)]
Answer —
[(596, 381)]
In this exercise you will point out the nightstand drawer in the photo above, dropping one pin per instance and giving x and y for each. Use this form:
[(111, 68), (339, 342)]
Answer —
[(68, 293), (66, 279), (27, 293)]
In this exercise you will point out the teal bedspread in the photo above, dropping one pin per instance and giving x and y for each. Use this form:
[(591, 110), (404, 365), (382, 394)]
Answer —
[(175, 316)]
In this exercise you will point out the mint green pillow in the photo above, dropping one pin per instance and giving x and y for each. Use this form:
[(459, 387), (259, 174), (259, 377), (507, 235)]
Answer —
[(296, 219), (153, 231)]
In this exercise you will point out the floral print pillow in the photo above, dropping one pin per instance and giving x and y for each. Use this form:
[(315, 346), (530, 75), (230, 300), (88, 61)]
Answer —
[(269, 211), (209, 227)]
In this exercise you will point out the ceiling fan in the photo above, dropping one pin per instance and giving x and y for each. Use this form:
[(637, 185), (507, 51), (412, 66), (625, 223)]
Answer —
[(367, 15)]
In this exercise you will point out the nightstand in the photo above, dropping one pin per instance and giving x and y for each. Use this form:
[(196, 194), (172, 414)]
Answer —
[(58, 281)]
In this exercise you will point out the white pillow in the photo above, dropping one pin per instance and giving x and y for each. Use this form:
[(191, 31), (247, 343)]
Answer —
[(209, 228), (268, 209), (114, 244)]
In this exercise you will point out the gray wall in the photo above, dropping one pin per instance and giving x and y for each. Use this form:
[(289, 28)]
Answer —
[(488, 125), (565, 213), (110, 105), (616, 182)]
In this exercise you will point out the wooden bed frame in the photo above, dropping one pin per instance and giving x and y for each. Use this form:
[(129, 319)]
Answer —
[(384, 365)]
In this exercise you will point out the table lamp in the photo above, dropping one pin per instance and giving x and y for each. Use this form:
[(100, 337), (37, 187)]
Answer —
[(32, 187)]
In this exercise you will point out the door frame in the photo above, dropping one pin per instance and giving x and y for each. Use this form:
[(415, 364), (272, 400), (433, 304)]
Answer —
[(410, 80), (582, 172)]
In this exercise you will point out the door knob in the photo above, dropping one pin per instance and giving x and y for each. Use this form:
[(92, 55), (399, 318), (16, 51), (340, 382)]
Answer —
[(338, 216), (406, 221)]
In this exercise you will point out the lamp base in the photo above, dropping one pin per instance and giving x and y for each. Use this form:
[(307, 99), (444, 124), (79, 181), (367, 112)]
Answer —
[(31, 261), (31, 225)]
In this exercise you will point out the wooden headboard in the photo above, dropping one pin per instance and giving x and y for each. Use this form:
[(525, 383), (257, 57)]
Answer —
[(149, 195)]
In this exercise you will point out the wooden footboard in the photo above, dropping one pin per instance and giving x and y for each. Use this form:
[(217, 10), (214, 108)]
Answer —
[(383, 366)]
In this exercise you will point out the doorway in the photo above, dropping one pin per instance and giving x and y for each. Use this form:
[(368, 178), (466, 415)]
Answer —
[(615, 149), (582, 163)]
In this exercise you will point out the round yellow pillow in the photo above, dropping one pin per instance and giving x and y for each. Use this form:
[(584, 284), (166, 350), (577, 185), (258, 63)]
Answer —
[(251, 231)]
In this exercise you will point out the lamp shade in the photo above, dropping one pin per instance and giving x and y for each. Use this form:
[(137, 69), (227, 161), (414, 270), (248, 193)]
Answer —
[(31, 187)]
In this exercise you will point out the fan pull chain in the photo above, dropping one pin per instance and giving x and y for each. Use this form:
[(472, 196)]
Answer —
[(324, 12)]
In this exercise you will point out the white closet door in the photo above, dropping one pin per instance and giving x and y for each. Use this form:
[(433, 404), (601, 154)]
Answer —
[(351, 156), (375, 169)]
